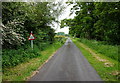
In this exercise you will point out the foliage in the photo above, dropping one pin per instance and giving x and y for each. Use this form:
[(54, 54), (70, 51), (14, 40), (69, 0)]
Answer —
[(60, 33), (11, 58), (10, 37), (20, 18), (24, 70), (110, 51), (99, 21), (60, 38)]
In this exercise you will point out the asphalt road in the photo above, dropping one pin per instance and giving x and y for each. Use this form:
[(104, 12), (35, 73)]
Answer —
[(68, 64)]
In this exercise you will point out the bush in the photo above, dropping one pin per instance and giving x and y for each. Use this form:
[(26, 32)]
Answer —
[(12, 57), (60, 39)]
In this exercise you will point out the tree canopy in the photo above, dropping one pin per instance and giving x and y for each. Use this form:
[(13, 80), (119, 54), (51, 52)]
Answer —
[(20, 18), (95, 20)]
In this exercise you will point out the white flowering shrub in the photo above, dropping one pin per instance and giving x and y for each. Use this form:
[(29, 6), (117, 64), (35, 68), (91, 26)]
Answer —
[(10, 37)]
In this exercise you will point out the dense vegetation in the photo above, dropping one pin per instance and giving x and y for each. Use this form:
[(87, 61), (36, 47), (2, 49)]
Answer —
[(12, 58), (99, 21), (18, 20)]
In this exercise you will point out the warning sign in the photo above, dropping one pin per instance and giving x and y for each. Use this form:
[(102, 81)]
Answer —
[(31, 37)]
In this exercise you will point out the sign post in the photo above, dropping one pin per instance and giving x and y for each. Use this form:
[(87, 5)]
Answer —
[(31, 38), (32, 44)]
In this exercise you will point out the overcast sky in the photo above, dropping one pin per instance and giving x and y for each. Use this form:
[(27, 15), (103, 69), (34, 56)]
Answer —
[(64, 15)]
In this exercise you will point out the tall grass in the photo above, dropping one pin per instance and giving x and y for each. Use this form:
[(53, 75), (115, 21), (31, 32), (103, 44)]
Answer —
[(105, 49)]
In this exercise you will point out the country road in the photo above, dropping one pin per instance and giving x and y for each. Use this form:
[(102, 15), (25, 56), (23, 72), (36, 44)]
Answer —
[(68, 64)]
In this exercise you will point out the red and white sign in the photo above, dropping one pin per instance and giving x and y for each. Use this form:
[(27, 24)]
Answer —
[(31, 37)]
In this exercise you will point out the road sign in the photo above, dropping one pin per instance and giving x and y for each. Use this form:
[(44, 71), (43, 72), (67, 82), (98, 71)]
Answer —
[(31, 37)]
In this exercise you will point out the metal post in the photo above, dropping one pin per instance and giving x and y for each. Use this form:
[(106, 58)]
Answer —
[(32, 44)]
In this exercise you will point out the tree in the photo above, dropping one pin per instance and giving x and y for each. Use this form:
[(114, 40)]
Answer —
[(23, 17), (98, 21)]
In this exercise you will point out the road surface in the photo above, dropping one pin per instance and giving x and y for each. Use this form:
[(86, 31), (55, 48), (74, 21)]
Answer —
[(68, 64)]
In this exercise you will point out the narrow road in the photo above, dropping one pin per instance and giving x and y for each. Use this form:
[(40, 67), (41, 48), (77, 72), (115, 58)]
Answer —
[(68, 64)]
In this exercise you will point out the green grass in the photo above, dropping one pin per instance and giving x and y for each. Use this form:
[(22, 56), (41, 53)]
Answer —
[(14, 57), (106, 73), (24, 70), (102, 48)]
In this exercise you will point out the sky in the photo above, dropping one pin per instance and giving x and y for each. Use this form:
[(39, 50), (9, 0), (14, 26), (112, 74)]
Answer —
[(65, 15)]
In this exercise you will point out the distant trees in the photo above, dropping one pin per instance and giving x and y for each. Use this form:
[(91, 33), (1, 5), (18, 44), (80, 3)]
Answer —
[(60, 33), (93, 20)]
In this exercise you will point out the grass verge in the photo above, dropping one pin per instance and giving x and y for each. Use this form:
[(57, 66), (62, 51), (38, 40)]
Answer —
[(106, 67), (102, 47), (24, 70)]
